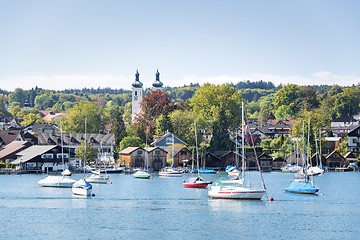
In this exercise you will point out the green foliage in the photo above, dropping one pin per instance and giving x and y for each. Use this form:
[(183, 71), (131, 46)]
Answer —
[(220, 139), (130, 141), (91, 152), (210, 100), (32, 118), (118, 126), (283, 112), (75, 119), (347, 102), (19, 96)]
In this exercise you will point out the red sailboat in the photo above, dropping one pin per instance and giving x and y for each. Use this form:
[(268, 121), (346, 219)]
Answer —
[(196, 182)]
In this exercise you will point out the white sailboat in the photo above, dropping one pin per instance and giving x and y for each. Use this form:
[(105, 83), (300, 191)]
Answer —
[(316, 170), (58, 181), (170, 171), (238, 188), (96, 177), (82, 187)]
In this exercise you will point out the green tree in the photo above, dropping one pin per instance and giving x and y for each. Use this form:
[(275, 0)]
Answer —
[(95, 117), (130, 141), (18, 95), (32, 118), (287, 95), (347, 102), (209, 100), (283, 112), (118, 126), (91, 152), (220, 139)]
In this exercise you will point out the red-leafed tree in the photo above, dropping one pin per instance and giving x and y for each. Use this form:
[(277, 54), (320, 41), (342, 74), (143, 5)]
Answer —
[(153, 105), (256, 138)]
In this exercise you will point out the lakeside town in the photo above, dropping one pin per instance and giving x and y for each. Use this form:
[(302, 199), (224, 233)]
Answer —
[(153, 130)]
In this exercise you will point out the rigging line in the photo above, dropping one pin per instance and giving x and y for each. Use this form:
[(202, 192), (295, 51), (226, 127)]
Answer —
[(252, 141)]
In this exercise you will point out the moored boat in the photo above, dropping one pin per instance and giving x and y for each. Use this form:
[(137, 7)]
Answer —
[(96, 177), (57, 181), (196, 182), (141, 174), (170, 172), (82, 187)]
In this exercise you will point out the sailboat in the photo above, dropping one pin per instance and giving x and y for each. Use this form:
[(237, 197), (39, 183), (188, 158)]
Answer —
[(316, 170), (96, 177), (82, 187), (140, 173), (170, 171), (58, 181), (196, 182), (239, 188), (302, 183)]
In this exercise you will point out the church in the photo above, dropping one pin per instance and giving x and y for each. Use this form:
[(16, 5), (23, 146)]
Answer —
[(137, 92)]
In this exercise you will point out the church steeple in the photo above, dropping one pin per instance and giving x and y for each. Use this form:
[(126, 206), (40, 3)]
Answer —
[(137, 83), (157, 84)]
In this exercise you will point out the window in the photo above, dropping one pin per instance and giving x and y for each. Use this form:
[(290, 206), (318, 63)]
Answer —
[(169, 141), (157, 152), (139, 152)]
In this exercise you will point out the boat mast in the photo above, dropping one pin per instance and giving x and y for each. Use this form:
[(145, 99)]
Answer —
[(242, 141), (172, 150), (197, 152), (85, 148), (146, 149), (320, 155), (62, 147)]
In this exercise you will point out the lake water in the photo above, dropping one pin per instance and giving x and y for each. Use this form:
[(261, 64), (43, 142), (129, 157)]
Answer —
[(160, 208)]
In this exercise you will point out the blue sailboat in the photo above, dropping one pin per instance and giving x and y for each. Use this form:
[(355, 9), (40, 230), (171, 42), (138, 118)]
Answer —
[(302, 183)]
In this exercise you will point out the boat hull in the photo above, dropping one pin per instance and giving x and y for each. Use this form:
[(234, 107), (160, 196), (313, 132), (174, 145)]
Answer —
[(236, 193), (82, 191), (167, 174), (56, 181), (197, 185), (301, 188), (141, 175)]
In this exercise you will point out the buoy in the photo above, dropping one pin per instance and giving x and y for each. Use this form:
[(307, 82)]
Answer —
[(110, 182), (322, 193), (271, 199), (151, 178), (93, 195)]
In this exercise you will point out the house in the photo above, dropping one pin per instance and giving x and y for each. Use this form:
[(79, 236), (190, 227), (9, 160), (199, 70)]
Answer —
[(314, 161), (136, 157), (335, 160), (344, 121), (157, 157), (182, 157), (41, 128), (9, 135), (354, 140), (211, 161), (330, 144), (103, 142), (278, 163), (9, 151), (226, 158), (350, 158), (133, 157), (265, 161), (167, 140), (52, 117), (37, 159)]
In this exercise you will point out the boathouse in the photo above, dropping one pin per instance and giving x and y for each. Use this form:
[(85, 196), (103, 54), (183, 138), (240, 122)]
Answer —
[(156, 158), (335, 160)]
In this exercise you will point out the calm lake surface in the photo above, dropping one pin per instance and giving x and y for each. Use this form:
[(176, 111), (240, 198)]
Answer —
[(160, 208)]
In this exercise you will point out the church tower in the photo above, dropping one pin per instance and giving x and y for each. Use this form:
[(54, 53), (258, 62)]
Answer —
[(157, 84), (137, 95)]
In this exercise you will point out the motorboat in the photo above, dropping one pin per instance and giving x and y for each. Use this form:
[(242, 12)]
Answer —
[(196, 182), (235, 189), (82, 187), (170, 172), (291, 168), (233, 171), (96, 177), (203, 171), (57, 181), (141, 174)]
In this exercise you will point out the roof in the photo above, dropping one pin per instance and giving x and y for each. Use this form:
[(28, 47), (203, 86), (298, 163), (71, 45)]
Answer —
[(345, 118), (51, 116), (76, 138), (157, 140), (332, 139), (12, 147), (129, 150), (334, 153), (8, 136), (31, 153), (150, 149), (350, 155)]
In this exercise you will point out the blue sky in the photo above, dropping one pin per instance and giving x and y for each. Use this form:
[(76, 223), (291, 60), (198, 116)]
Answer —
[(63, 44)]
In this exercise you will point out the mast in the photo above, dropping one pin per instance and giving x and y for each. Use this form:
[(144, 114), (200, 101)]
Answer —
[(62, 147), (146, 150), (172, 150), (242, 141), (320, 155), (197, 152), (85, 148)]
